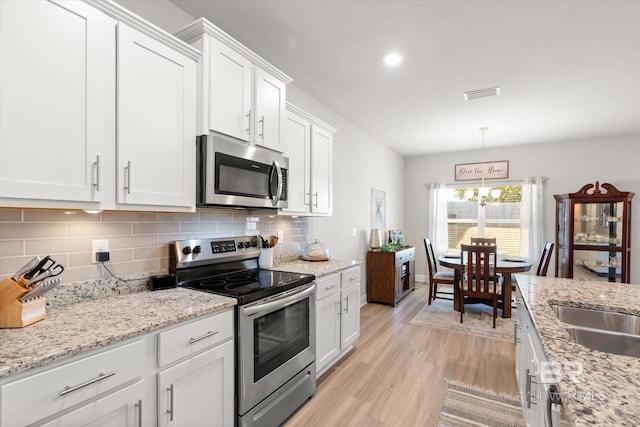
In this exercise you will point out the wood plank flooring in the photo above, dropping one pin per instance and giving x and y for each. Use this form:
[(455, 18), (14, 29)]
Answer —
[(396, 374)]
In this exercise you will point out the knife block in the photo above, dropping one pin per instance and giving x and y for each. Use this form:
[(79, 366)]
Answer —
[(15, 314)]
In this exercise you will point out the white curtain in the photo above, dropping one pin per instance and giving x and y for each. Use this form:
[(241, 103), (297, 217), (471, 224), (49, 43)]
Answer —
[(437, 218), (531, 237)]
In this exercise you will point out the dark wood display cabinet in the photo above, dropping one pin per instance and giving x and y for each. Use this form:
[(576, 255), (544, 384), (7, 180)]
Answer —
[(593, 233), (390, 275)]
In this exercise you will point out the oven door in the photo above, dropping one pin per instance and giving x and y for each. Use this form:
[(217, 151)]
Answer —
[(276, 340)]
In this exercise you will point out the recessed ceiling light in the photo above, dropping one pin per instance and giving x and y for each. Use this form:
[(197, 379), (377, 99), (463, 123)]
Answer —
[(482, 93), (392, 59)]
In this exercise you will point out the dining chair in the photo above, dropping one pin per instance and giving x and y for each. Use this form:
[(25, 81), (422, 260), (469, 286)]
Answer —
[(485, 241), (479, 283), (543, 265), (437, 277)]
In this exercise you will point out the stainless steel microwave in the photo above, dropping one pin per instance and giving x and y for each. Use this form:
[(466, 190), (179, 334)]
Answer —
[(234, 173)]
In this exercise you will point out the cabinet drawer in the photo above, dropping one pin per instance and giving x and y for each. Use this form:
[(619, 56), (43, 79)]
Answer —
[(38, 396), (193, 337), (404, 256), (350, 277), (327, 285)]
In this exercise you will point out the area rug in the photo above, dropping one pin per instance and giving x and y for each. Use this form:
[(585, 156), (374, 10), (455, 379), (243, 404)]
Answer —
[(477, 320), (467, 405)]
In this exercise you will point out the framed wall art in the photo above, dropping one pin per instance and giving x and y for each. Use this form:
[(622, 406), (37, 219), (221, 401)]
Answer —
[(378, 209)]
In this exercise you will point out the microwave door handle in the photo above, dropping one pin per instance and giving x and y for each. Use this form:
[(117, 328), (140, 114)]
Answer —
[(276, 197)]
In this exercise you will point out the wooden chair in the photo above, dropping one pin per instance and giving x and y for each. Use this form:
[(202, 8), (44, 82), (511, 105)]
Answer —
[(543, 265), (479, 283), (484, 241), (437, 277)]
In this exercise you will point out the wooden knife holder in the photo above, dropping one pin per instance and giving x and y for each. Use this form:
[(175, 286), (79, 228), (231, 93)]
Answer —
[(15, 314)]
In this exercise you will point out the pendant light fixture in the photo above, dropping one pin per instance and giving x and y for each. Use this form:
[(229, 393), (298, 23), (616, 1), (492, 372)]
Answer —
[(486, 195)]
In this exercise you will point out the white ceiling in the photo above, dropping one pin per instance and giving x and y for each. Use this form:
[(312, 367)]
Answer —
[(569, 70)]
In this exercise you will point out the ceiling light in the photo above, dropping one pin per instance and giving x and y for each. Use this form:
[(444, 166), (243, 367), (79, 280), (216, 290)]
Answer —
[(392, 59), (481, 93), (486, 195)]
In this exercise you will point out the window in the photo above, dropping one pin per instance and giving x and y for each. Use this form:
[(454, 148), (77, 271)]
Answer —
[(500, 220)]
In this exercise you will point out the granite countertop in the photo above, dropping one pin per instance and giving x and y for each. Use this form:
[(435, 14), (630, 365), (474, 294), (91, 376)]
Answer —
[(76, 328), (606, 391), (318, 268)]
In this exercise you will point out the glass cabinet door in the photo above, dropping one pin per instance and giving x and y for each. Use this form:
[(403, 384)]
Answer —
[(598, 224)]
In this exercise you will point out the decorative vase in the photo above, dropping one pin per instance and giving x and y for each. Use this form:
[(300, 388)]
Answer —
[(374, 241)]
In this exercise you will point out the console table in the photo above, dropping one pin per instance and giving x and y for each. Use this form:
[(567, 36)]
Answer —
[(390, 275)]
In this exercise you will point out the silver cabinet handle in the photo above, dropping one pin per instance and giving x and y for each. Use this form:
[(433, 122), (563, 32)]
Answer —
[(316, 196), (346, 305), (307, 202), (331, 287), (338, 310), (261, 135), (97, 182), (128, 177), (69, 389), (248, 129), (353, 277), (516, 336), (170, 410), (205, 336), (529, 379), (139, 406)]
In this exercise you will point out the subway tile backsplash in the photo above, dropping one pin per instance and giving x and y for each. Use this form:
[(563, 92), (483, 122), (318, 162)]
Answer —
[(138, 241)]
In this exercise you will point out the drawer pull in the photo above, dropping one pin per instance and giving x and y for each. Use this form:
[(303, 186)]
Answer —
[(331, 287), (139, 406), (100, 377), (353, 277), (170, 410), (205, 336)]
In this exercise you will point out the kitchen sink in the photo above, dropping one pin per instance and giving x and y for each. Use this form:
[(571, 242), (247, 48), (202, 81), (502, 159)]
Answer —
[(607, 341), (601, 330), (599, 319)]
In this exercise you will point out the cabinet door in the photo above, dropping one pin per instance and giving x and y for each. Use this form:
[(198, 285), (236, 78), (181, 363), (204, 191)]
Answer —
[(156, 122), (199, 389), (327, 330), (350, 322), (230, 77), (321, 173), (270, 98), (57, 109), (120, 409), (298, 146)]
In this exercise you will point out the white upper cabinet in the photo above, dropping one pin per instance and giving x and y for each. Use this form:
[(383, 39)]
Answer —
[(60, 94), (321, 170), (270, 110), (57, 107), (309, 145), (230, 82), (156, 122), (239, 93)]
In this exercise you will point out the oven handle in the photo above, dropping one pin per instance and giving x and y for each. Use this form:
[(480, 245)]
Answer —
[(279, 302), (276, 197)]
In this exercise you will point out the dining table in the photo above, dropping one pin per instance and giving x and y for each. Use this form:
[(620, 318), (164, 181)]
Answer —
[(506, 265)]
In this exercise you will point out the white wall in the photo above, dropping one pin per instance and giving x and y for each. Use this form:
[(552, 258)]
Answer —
[(568, 165)]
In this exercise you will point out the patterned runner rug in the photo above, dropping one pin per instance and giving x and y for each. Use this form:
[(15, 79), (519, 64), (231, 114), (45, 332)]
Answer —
[(477, 320), (466, 405)]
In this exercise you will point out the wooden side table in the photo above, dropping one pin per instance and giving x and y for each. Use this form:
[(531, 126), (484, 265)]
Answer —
[(390, 275)]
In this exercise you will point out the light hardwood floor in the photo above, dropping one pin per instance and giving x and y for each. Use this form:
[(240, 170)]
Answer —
[(396, 374)]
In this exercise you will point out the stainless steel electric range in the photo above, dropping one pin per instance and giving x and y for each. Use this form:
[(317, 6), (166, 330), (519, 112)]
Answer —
[(275, 323)]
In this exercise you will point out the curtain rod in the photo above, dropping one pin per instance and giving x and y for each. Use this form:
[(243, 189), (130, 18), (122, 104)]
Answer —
[(498, 181)]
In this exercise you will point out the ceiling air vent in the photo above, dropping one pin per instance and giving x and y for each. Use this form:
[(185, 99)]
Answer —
[(481, 93)]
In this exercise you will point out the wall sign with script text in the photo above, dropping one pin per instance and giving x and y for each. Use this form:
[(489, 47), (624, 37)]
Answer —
[(475, 171)]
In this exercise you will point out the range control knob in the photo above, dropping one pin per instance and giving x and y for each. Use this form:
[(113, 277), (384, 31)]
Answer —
[(197, 249), (254, 244), (241, 245), (186, 250)]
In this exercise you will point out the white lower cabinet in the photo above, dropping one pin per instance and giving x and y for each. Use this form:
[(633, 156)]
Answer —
[(337, 316), (529, 358), (198, 390), (180, 376), (123, 408)]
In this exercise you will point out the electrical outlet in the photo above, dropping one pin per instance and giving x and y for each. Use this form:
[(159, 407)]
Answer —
[(280, 236), (98, 246)]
